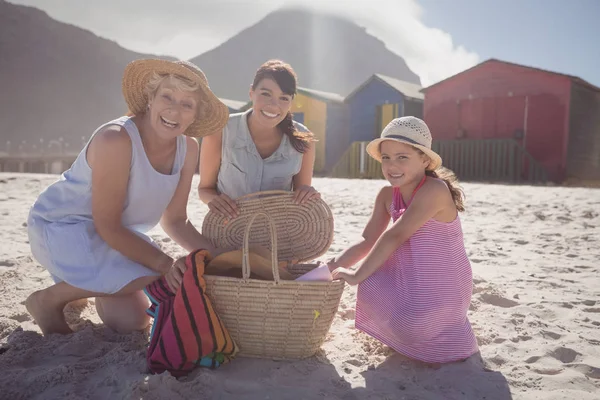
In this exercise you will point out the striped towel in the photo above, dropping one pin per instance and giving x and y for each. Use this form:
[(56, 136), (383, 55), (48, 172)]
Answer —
[(186, 331)]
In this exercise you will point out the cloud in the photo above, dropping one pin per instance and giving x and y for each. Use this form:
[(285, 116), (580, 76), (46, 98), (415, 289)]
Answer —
[(187, 28)]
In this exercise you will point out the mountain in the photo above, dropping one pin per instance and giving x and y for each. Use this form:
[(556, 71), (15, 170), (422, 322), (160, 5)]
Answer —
[(328, 53), (57, 80)]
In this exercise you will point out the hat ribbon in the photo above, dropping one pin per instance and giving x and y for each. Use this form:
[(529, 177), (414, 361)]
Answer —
[(409, 140)]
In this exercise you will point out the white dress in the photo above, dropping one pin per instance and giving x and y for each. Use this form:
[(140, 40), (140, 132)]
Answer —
[(62, 234)]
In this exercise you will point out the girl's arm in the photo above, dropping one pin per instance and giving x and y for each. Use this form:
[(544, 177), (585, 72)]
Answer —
[(109, 156), (209, 165), (428, 202), (378, 222), (174, 220)]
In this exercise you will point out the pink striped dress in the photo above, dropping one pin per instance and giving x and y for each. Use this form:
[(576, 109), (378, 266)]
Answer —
[(417, 302)]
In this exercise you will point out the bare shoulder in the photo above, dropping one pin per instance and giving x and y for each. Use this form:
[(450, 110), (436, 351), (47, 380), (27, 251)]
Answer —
[(113, 135), (435, 186), (435, 190), (110, 143)]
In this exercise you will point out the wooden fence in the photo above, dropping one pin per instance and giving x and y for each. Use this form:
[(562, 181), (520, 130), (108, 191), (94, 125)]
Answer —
[(492, 160), (40, 163)]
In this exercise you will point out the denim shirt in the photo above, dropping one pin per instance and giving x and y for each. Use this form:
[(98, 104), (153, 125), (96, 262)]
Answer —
[(243, 170)]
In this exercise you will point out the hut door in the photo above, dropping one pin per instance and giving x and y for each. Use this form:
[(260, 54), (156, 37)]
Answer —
[(385, 114)]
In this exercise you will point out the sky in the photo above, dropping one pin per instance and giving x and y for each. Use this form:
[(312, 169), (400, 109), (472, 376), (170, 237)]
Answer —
[(437, 38)]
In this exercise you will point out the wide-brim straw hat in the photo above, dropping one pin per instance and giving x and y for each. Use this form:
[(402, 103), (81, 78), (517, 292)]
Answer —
[(410, 130), (213, 114), (260, 264)]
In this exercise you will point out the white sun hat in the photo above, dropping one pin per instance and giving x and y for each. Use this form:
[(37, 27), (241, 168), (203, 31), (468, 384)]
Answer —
[(410, 130)]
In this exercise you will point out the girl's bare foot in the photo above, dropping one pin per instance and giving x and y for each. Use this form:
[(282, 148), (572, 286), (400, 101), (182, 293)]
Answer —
[(47, 315)]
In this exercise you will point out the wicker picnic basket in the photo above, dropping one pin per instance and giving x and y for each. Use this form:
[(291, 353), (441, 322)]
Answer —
[(279, 319)]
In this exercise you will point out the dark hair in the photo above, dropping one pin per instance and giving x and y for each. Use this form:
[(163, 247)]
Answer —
[(285, 77)]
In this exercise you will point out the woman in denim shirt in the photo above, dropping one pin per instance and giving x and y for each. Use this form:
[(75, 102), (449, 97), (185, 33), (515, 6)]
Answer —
[(260, 149)]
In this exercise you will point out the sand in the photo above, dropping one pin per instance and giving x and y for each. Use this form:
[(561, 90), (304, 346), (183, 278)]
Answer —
[(535, 253)]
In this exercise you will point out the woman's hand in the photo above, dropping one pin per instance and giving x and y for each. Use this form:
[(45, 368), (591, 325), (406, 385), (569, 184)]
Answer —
[(349, 275), (225, 206), (304, 193), (174, 276)]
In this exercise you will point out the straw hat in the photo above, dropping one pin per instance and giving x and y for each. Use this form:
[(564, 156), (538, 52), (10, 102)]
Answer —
[(214, 114), (230, 263), (410, 130)]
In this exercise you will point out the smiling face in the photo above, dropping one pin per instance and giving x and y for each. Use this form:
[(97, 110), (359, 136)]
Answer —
[(402, 163), (173, 107), (270, 104)]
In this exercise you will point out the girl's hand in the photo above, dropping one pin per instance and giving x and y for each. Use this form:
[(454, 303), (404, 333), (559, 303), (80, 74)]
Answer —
[(174, 276), (349, 275), (332, 264), (304, 193), (223, 205)]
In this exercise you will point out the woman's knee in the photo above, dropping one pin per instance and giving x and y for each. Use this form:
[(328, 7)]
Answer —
[(124, 314)]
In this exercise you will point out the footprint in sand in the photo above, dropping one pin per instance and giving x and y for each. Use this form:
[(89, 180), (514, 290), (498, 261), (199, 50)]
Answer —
[(497, 300), (589, 303), (582, 267), (497, 360), (567, 357), (589, 214), (521, 338), (564, 355), (6, 263), (21, 317), (548, 371), (551, 335), (592, 310), (479, 285), (533, 359), (562, 218), (355, 362), (587, 370), (347, 314)]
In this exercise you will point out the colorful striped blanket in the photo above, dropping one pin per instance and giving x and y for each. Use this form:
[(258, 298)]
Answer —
[(186, 331)]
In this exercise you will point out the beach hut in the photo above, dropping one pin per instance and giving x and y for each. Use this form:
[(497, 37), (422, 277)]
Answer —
[(234, 106), (325, 115), (553, 117), (379, 100)]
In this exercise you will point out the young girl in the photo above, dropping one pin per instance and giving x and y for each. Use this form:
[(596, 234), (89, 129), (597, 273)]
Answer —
[(415, 282)]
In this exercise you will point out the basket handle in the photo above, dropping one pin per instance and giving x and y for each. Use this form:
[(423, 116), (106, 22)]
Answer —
[(266, 192), (246, 248)]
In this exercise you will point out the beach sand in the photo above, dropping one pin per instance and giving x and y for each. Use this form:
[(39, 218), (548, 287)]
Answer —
[(535, 253)]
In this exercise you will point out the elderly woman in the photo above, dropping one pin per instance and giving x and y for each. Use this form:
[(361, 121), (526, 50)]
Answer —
[(260, 149), (89, 228)]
